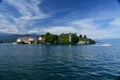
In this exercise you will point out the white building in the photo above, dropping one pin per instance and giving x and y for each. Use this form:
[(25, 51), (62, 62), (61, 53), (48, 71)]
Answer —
[(41, 38), (70, 38), (81, 42), (27, 40)]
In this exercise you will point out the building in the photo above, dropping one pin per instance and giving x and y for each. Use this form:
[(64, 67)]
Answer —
[(81, 42), (70, 37), (41, 39), (27, 40)]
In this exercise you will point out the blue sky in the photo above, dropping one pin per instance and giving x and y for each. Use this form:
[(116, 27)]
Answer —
[(98, 19)]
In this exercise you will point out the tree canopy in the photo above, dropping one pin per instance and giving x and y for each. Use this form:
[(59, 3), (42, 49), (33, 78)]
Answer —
[(69, 38)]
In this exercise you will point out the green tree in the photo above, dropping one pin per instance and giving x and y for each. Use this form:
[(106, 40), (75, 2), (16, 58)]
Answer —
[(91, 41), (80, 37), (64, 39), (55, 39), (51, 38), (74, 39), (70, 38), (85, 37)]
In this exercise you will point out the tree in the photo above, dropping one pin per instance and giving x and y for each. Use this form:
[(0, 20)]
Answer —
[(85, 37), (51, 39), (70, 38), (80, 36), (64, 39), (74, 39), (91, 41), (55, 39)]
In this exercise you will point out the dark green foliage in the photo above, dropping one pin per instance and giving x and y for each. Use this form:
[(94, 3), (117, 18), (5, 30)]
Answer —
[(50, 38), (85, 37), (43, 35), (41, 42), (91, 41), (74, 39), (64, 39), (55, 39), (80, 36), (70, 38)]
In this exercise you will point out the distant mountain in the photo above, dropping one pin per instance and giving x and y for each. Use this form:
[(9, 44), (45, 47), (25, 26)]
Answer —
[(6, 38)]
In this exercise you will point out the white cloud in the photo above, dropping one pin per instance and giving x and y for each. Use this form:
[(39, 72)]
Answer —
[(115, 21), (97, 30), (7, 26), (87, 27), (27, 7), (84, 23), (28, 10)]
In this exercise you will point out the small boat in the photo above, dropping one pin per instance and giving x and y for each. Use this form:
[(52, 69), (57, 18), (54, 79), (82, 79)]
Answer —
[(106, 44), (14, 43)]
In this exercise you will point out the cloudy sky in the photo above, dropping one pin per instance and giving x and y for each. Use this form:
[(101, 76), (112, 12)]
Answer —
[(97, 19)]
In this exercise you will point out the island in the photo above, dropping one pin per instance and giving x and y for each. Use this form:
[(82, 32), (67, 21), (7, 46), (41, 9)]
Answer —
[(64, 38)]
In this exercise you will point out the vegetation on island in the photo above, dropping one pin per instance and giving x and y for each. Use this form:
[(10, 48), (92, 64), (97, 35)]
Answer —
[(70, 38)]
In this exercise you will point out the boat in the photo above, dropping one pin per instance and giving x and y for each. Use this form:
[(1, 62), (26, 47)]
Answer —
[(14, 43), (106, 44)]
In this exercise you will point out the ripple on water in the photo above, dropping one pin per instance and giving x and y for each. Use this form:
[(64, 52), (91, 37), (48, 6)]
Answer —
[(23, 62)]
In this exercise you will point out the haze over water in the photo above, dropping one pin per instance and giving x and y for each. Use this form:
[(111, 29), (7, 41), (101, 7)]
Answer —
[(59, 62)]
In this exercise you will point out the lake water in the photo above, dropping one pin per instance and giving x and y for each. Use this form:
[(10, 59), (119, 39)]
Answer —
[(59, 62)]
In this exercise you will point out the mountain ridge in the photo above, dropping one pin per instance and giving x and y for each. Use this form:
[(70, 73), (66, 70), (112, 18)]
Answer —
[(7, 38)]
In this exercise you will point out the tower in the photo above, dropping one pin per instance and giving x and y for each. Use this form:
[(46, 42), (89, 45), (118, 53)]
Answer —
[(70, 37)]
